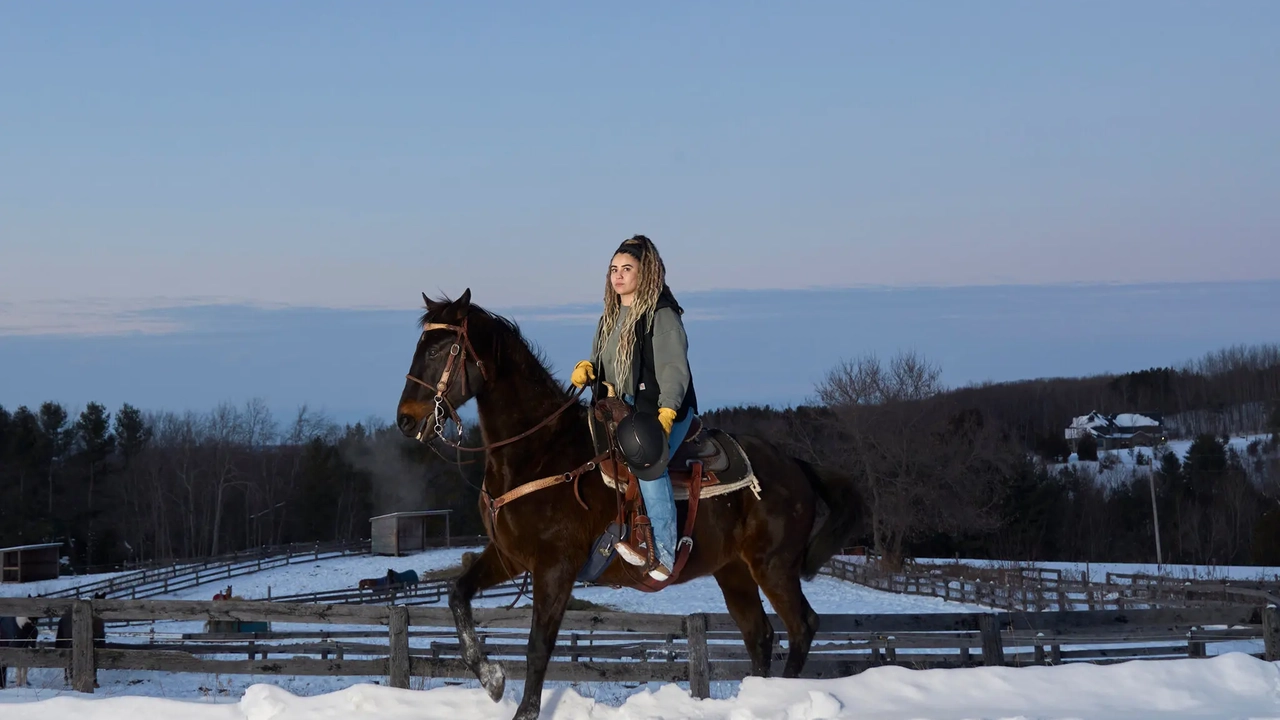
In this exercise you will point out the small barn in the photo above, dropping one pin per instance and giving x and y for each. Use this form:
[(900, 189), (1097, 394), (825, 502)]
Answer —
[(28, 563), (403, 532)]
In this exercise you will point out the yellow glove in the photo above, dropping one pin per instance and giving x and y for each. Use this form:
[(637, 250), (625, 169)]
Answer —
[(583, 373), (667, 417)]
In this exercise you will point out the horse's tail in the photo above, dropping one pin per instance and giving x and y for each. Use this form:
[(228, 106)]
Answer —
[(844, 512)]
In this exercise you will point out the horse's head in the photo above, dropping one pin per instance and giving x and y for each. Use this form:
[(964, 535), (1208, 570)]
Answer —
[(445, 372)]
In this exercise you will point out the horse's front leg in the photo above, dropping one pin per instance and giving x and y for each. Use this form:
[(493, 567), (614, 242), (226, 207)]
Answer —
[(489, 569), (552, 588)]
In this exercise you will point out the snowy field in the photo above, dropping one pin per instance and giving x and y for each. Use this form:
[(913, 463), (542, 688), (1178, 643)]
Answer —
[(41, 587), (1229, 685), (827, 595)]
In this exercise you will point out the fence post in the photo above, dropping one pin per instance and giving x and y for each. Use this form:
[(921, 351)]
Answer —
[(992, 648), (1271, 632), (83, 670), (699, 667), (1195, 648), (398, 663)]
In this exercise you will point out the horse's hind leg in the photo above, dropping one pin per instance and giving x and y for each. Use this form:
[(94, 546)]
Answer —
[(489, 569), (742, 597), (782, 587)]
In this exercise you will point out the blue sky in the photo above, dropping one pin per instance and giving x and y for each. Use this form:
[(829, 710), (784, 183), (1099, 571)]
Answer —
[(160, 159)]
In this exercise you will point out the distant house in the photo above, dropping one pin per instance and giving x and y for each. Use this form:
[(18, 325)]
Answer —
[(1112, 432)]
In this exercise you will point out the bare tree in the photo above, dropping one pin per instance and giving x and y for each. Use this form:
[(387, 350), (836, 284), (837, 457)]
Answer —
[(927, 465)]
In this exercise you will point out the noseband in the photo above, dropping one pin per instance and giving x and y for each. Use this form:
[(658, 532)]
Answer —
[(458, 359), (457, 354)]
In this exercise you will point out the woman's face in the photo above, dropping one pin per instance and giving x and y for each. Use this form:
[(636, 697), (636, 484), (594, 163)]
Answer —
[(624, 275)]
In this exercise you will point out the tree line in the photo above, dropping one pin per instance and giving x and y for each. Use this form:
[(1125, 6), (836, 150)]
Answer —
[(128, 487), (975, 471), (981, 471)]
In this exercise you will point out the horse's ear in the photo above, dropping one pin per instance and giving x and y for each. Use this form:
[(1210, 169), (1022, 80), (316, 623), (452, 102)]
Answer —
[(459, 308), (432, 305)]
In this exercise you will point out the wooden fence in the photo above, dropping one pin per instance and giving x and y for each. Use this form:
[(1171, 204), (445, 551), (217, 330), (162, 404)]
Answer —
[(1020, 589), (616, 647), (1222, 590), (1038, 590), (181, 576), (426, 592)]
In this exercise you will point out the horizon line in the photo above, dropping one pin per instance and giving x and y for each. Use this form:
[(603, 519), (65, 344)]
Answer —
[(135, 315)]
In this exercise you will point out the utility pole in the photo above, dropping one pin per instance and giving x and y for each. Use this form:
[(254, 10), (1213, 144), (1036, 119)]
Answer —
[(1155, 514)]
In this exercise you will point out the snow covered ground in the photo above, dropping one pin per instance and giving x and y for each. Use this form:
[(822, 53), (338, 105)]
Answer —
[(40, 587), (1229, 685), (827, 595)]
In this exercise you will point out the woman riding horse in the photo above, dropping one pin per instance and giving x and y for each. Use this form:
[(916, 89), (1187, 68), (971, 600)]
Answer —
[(545, 504), (641, 351)]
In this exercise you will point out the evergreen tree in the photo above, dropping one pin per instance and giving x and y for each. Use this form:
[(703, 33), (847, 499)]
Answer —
[(52, 448), (131, 432), (94, 444), (1087, 448)]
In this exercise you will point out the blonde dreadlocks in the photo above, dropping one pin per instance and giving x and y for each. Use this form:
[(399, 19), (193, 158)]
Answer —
[(653, 278)]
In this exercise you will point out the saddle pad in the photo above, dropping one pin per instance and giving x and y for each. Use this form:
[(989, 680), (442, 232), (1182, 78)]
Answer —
[(720, 484)]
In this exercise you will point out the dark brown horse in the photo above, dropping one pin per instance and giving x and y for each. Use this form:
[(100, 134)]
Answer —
[(749, 545)]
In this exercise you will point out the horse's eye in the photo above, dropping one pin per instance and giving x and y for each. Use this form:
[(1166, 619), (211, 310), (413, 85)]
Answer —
[(433, 352)]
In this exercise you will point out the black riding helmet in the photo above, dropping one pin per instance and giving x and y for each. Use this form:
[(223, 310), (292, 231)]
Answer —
[(644, 445)]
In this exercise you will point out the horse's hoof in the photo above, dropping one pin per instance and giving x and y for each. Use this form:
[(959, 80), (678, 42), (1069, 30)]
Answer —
[(493, 679)]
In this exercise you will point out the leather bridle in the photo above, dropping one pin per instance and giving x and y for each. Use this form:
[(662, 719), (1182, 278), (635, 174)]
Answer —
[(457, 361), (458, 355)]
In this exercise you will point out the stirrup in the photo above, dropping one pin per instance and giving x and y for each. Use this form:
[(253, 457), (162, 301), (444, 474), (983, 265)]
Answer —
[(628, 553), (660, 573)]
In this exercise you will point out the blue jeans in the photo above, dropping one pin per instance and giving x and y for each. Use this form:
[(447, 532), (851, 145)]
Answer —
[(659, 503)]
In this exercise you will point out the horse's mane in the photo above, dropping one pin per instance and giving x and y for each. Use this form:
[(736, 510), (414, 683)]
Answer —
[(504, 336)]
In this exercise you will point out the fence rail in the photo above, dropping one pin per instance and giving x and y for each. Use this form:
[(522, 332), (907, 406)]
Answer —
[(427, 592), (184, 575), (1038, 590), (398, 641)]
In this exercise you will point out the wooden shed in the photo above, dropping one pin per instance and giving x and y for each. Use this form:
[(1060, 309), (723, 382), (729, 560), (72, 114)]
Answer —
[(402, 532), (28, 563)]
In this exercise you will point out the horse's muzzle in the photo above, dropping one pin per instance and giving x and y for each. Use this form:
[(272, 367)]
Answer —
[(407, 424)]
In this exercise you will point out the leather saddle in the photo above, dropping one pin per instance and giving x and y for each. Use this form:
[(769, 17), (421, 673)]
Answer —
[(707, 457), (723, 461)]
